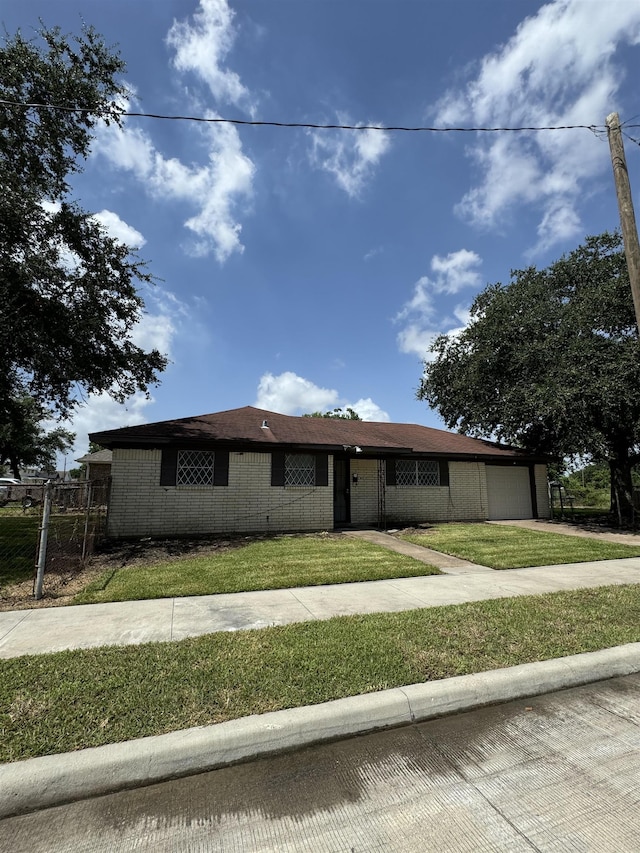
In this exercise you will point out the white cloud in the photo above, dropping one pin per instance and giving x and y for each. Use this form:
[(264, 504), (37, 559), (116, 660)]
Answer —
[(202, 46), (157, 326), (128, 148), (456, 271), (423, 321), (119, 229), (368, 410), (154, 331), (163, 319), (558, 68), (350, 156), (372, 253), (291, 394), (217, 184), (213, 188), (416, 340), (99, 413)]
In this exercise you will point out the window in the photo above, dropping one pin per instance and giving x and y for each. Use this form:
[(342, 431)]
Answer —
[(299, 469), (417, 472), (195, 468)]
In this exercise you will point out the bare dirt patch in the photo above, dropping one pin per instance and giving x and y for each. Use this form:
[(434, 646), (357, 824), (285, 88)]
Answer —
[(59, 588)]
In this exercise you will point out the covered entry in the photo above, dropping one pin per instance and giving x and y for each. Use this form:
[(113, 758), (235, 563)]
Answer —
[(509, 492), (341, 490)]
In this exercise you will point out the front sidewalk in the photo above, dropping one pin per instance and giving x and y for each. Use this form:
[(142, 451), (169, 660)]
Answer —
[(39, 631)]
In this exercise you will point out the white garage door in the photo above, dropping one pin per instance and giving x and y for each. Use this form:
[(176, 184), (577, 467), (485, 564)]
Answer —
[(508, 492)]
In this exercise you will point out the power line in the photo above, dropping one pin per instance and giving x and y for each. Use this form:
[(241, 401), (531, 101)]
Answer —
[(631, 138), (315, 126)]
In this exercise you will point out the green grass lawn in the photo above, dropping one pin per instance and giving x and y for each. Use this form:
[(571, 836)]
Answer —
[(19, 535), (72, 700), (278, 563), (504, 547), (18, 544)]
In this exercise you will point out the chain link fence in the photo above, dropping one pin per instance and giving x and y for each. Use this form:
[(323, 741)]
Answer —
[(51, 528)]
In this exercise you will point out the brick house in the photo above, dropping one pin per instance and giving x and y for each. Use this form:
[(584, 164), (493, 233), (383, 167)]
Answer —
[(98, 465), (248, 470)]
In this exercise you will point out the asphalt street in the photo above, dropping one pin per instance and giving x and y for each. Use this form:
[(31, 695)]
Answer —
[(559, 772)]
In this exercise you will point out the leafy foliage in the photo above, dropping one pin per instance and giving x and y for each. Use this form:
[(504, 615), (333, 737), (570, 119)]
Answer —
[(550, 362), (67, 289), (346, 414), (24, 441)]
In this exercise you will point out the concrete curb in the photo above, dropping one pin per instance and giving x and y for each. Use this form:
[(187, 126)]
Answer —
[(39, 783)]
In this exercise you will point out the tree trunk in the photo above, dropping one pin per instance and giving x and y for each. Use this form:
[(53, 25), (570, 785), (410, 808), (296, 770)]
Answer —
[(622, 488), (14, 465)]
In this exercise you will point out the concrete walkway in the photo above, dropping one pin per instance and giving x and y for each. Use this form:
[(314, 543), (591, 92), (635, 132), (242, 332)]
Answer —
[(445, 562), (37, 631)]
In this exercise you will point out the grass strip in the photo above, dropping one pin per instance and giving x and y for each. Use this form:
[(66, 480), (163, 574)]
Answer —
[(279, 563), (72, 700), (503, 547)]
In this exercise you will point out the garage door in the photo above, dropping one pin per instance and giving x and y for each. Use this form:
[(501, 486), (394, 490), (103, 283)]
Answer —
[(508, 492)]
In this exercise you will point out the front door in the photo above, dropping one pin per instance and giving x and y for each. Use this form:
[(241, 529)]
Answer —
[(341, 493)]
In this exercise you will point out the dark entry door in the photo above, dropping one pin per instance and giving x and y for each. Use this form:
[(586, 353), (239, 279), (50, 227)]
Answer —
[(341, 493)]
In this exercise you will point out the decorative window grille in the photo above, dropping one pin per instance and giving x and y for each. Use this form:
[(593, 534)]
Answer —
[(299, 469), (195, 468), (417, 472)]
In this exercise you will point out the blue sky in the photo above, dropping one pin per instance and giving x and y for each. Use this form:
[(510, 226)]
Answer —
[(302, 270)]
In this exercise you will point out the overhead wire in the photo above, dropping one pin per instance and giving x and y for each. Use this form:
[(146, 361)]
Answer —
[(317, 125)]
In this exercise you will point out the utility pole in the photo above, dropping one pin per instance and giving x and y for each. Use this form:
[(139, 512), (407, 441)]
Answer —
[(625, 206)]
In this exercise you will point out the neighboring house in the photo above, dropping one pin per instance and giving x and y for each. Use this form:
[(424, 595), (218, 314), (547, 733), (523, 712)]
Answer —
[(98, 465), (252, 470)]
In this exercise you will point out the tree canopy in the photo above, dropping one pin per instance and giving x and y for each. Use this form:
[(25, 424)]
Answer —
[(68, 290), (25, 442), (550, 362), (346, 414)]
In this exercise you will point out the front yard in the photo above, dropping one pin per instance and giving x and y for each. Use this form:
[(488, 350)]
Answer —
[(280, 562), (158, 569), (503, 547)]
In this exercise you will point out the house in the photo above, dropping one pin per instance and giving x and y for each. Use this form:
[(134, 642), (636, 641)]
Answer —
[(98, 465), (247, 470)]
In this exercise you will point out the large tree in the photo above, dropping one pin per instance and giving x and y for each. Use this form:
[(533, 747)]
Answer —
[(68, 291), (25, 442), (550, 362)]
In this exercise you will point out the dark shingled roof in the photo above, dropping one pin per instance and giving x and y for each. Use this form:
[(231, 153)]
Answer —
[(99, 457), (245, 427)]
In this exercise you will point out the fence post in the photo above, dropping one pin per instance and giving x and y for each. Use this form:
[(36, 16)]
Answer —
[(42, 546), (89, 501)]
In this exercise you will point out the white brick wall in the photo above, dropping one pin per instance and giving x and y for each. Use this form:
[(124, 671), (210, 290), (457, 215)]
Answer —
[(364, 495), (464, 499), (140, 506)]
